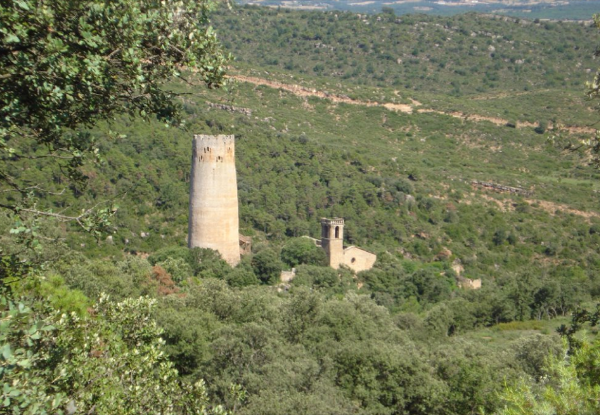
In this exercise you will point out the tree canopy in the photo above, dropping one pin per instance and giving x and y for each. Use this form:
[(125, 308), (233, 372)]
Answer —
[(65, 66)]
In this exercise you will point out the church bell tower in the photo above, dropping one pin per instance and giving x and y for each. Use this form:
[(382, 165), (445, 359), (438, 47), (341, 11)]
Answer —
[(332, 240)]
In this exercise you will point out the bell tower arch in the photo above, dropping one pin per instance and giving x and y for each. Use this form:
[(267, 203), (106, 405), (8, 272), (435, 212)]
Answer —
[(332, 240)]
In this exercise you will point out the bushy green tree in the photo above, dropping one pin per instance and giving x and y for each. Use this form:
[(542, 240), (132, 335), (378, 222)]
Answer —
[(207, 263), (65, 66), (173, 252), (570, 381), (298, 251), (321, 277), (532, 353), (178, 268), (267, 266), (242, 276), (110, 361), (569, 387)]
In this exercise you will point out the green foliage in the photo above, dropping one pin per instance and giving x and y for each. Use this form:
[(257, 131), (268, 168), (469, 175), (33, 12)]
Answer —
[(587, 144), (533, 352), (567, 383), (242, 276), (66, 66), (127, 278), (399, 338), (314, 276), (169, 252), (186, 333), (207, 263), (61, 297), (267, 266), (470, 381), (459, 55), (328, 349), (298, 251), (377, 378), (570, 387), (55, 362), (178, 268)]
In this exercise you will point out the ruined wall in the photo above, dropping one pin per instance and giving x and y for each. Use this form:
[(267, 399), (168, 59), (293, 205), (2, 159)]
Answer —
[(287, 276), (245, 245), (214, 220), (469, 284), (358, 259)]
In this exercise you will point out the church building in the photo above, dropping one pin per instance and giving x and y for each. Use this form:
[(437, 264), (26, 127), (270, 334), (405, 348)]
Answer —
[(332, 241)]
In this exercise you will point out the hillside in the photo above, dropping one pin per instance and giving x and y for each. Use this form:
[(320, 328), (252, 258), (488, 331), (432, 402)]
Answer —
[(429, 136), (401, 164)]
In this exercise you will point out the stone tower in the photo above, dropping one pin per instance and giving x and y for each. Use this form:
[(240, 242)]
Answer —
[(332, 240), (214, 221)]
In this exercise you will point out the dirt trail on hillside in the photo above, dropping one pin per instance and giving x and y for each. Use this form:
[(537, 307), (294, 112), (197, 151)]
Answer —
[(302, 91), (552, 207), (506, 205), (500, 95), (309, 92)]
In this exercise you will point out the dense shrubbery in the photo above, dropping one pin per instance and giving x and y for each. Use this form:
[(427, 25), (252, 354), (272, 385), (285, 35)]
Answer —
[(58, 359), (457, 55), (329, 348)]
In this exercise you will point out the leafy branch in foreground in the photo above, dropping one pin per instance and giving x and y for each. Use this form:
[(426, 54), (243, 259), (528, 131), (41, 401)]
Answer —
[(65, 66), (571, 384), (588, 144), (110, 361), (579, 318)]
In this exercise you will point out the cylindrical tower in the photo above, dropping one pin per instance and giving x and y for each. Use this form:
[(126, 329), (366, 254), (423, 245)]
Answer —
[(214, 221)]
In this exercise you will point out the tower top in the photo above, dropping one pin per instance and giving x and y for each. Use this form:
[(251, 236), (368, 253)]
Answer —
[(213, 149), (332, 229), (332, 221), (214, 138)]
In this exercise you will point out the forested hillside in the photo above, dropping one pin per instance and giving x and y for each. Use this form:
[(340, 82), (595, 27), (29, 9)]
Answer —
[(392, 123)]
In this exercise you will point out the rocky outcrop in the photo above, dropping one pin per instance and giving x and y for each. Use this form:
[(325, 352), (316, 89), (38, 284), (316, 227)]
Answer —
[(230, 108), (501, 188)]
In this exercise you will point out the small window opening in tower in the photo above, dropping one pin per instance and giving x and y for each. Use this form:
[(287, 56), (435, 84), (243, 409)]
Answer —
[(353, 260), (337, 232)]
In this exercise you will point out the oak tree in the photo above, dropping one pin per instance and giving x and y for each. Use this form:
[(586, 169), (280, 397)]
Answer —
[(67, 65)]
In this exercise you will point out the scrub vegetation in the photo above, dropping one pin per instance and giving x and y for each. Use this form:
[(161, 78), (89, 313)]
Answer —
[(394, 124)]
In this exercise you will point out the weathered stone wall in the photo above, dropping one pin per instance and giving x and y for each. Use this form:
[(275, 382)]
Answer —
[(287, 276), (214, 220), (358, 259), (469, 284), (245, 244)]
